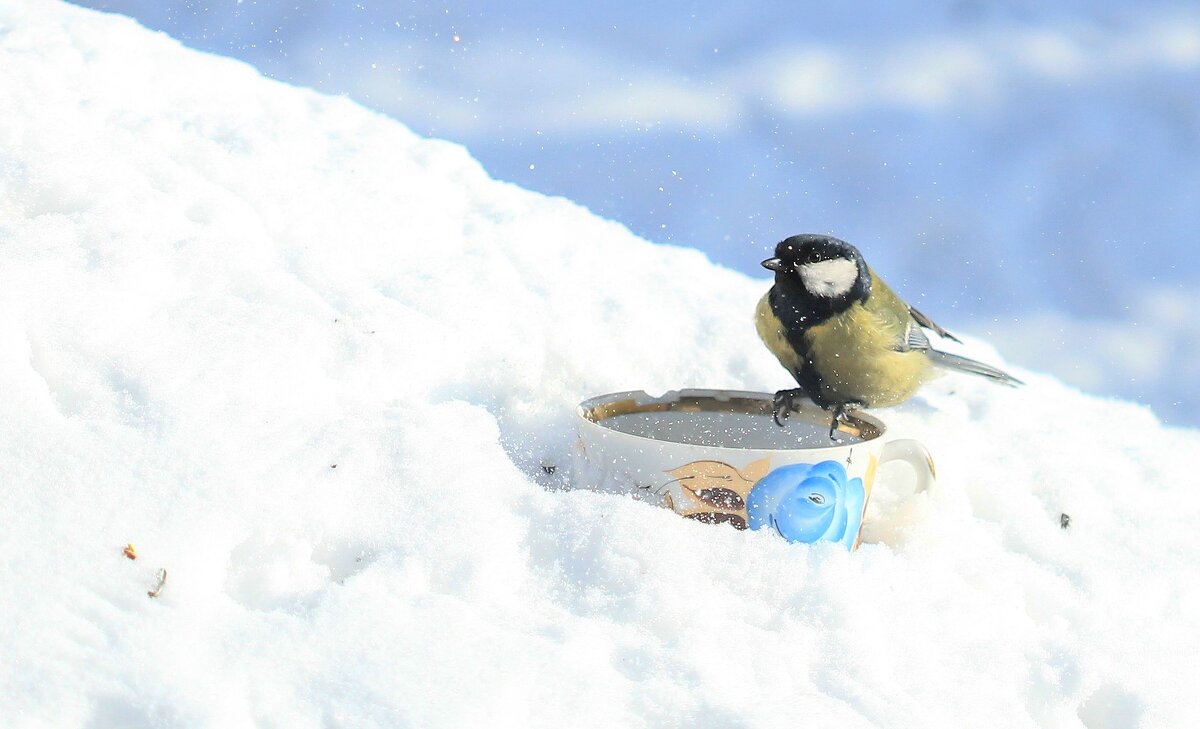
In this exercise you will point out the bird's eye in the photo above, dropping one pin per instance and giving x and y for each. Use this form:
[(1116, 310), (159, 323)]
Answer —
[(816, 498)]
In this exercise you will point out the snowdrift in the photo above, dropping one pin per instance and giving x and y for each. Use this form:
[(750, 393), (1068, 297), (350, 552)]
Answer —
[(318, 369)]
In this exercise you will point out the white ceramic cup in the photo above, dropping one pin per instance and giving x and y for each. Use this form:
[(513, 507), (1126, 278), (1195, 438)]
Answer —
[(717, 456)]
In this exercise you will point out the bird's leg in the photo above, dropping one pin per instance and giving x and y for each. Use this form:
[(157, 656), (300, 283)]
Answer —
[(840, 412), (784, 403)]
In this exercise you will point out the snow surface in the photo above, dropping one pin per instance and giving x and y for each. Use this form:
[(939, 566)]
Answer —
[(313, 365)]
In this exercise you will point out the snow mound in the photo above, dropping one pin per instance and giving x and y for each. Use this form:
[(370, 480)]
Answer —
[(313, 365)]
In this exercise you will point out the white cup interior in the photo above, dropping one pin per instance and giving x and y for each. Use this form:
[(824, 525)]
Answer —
[(723, 419)]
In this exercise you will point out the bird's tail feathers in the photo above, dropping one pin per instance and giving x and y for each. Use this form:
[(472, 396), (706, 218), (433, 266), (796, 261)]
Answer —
[(965, 364)]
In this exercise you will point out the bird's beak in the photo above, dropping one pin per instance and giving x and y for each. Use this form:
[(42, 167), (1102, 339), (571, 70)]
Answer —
[(772, 263)]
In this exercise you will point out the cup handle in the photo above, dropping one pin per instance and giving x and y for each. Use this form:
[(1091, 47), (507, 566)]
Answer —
[(915, 455)]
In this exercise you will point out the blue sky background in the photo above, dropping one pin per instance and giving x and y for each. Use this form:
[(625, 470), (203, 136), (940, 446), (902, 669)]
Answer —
[(1027, 173)]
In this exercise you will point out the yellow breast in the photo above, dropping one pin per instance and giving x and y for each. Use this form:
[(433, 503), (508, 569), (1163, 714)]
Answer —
[(770, 331), (855, 355)]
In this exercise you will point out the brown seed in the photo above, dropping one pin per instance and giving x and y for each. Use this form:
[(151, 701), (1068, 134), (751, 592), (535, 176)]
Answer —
[(129, 551), (718, 517)]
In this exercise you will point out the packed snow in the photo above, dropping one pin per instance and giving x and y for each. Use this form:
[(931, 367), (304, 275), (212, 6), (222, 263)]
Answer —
[(322, 372)]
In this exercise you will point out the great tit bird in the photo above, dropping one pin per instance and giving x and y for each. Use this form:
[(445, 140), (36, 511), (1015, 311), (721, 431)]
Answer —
[(846, 337)]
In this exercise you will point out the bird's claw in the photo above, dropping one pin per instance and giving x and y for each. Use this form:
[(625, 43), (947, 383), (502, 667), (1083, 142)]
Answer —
[(783, 405), (841, 412)]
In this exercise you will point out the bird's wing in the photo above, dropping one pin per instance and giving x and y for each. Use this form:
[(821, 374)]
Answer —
[(914, 340), (901, 318), (931, 325), (974, 367)]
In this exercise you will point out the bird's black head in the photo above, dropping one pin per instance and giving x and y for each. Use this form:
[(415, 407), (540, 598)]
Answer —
[(819, 274)]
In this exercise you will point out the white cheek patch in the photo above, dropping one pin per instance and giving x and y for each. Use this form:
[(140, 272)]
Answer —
[(829, 278)]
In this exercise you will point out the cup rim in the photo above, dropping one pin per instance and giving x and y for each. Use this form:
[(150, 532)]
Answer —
[(597, 409)]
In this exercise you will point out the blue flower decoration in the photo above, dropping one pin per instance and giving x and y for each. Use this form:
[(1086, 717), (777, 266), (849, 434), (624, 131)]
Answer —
[(807, 502)]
